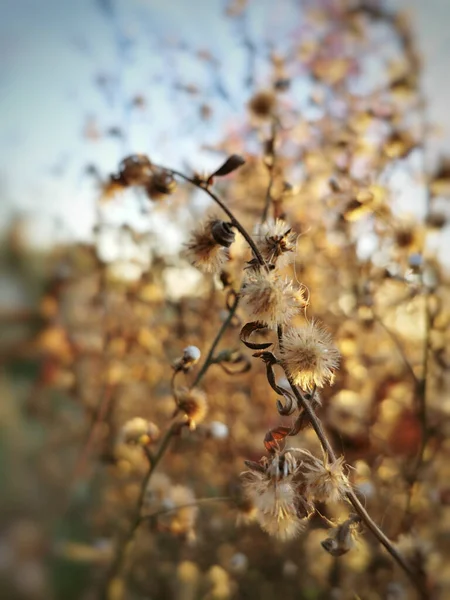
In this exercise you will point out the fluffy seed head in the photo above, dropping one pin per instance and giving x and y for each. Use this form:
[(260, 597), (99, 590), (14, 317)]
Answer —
[(276, 242), (204, 251), (285, 528), (271, 489), (270, 299), (194, 404), (325, 481), (310, 356)]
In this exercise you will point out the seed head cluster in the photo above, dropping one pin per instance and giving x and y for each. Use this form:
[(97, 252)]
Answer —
[(283, 489), (273, 493)]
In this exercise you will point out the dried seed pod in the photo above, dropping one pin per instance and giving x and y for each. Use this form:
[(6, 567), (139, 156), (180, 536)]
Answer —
[(262, 104), (232, 163), (223, 233), (204, 251), (135, 170), (160, 184), (343, 537)]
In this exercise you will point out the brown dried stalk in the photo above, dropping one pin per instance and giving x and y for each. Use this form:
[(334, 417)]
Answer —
[(353, 499)]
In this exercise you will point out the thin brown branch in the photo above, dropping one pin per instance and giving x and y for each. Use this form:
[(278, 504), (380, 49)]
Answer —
[(353, 499)]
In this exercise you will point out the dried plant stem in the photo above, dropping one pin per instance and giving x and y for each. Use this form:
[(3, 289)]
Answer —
[(351, 496), (127, 541), (100, 416), (270, 165), (226, 210), (193, 504), (209, 358)]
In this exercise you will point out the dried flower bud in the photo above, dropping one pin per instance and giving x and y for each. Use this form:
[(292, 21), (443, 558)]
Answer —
[(204, 251), (193, 403), (139, 431), (161, 183), (263, 104), (231, 164), (309, 356), (135, 170), (191, 356), (270, 299), (343, 537), (223, 233), (276, 242)]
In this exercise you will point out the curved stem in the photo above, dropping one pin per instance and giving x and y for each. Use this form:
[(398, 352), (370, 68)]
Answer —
[(351, 496), (187, 505), (126, 543), (224, 327), (226, 210), (128, 539)]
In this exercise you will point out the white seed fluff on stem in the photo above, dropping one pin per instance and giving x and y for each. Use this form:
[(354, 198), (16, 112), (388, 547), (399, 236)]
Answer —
[(270, 299), (309, 356)]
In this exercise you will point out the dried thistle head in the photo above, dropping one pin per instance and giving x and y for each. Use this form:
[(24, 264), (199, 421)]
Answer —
[(325, 481), (139, 431), (309, 356), (194, 405), (208, 247), (271, 488), (276, 242), (270, 299)]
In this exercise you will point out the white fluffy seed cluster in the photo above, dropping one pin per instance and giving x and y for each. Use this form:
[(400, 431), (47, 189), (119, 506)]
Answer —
[(270, 298), (283, 489)]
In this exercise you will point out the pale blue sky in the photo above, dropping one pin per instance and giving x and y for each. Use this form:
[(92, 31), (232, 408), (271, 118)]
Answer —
[(52, 51)]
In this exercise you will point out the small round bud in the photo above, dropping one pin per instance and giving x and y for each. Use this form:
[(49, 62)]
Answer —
[(191, 356), (139, 431)]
